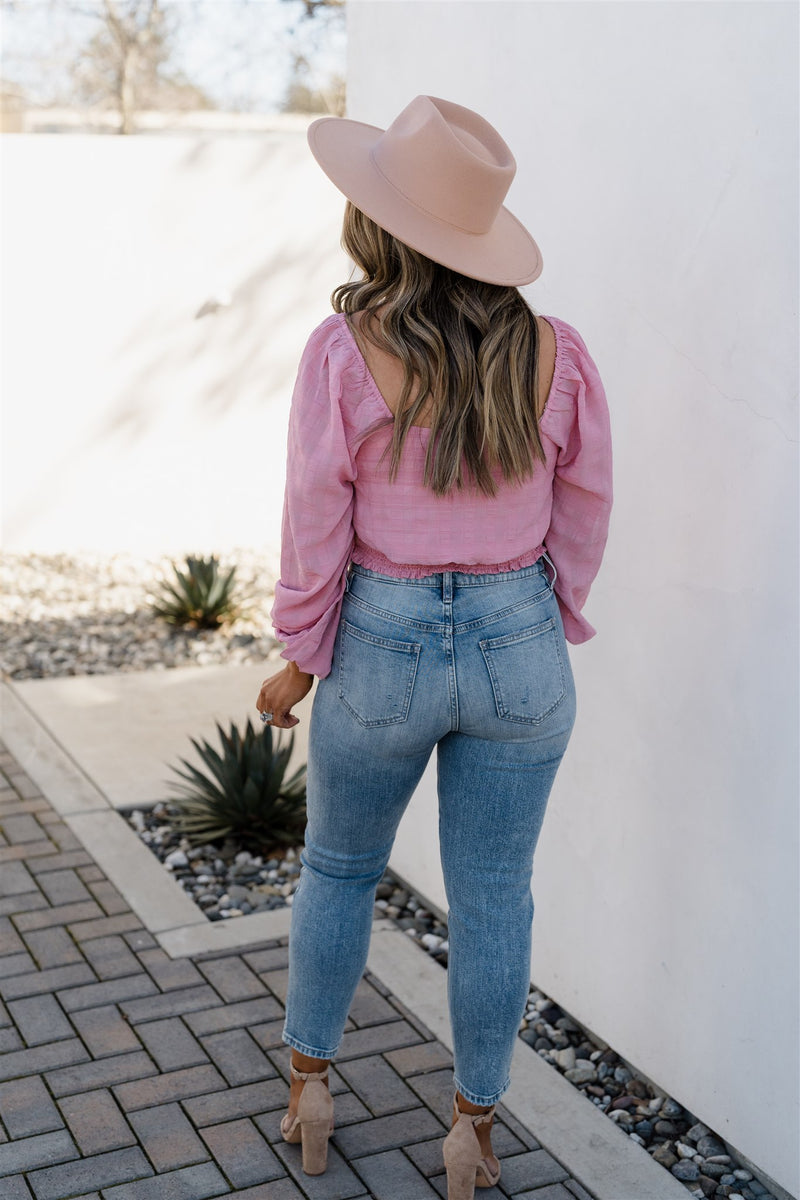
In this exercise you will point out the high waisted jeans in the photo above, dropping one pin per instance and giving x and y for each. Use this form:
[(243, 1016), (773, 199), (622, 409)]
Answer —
[(477, 666)]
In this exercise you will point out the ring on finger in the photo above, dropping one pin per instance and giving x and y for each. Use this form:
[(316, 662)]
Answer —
[(266, 717)]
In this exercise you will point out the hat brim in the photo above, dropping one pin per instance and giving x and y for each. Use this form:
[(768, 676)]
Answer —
[(506, 254)]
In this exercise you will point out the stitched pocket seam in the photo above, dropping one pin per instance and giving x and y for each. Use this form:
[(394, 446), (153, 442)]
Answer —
[(487, 645), (409, 648)]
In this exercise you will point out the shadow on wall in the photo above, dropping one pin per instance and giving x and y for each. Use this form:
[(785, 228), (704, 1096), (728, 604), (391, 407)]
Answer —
[(141, 388), (224, 348)]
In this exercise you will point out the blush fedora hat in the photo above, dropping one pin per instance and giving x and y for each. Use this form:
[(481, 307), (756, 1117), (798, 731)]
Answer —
[(436, 179)]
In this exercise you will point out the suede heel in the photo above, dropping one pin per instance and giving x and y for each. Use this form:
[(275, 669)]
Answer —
[(313, 1125), (466, 1167)]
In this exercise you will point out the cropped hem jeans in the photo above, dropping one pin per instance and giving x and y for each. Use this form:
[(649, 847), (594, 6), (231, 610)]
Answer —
[(476, 666)]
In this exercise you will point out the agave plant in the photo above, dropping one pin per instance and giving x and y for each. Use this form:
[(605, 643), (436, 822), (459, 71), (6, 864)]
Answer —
[(245, 794), (201, 598)]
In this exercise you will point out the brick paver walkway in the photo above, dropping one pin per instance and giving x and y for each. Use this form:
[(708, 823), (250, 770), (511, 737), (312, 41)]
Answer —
[(128, 1075)]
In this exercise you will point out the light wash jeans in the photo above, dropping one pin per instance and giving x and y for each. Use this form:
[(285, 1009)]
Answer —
[(477, 666)]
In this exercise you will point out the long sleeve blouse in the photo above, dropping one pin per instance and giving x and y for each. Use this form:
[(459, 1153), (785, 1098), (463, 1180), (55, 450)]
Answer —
[(340, 506)]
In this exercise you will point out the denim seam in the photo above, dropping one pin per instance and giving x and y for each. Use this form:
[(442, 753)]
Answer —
[(520, 606), (473, 1097), (427, 581), (521, 635), (440, 627), (375, 639), (426, 626), (305, 1048), (449, 649)]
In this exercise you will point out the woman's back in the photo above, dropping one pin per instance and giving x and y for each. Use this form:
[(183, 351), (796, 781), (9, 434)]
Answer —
[(340, 433), (386, 369)]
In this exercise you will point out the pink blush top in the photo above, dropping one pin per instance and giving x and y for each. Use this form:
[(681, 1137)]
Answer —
[(340, 507)]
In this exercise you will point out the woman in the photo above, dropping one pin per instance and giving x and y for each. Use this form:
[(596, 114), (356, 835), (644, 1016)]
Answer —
[(447, 502)]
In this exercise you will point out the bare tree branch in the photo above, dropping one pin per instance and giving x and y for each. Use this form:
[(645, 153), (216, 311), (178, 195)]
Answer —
[(120, 55)]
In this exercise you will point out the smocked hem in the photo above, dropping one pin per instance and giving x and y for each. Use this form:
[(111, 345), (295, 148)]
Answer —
[(476, 1098), (373, 560), (305, 1048)]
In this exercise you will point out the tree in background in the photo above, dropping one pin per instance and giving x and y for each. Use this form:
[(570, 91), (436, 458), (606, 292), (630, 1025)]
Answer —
[(125, 64), (128, 56), (104, 55), (304, 93), (312, 7), (303, 97)]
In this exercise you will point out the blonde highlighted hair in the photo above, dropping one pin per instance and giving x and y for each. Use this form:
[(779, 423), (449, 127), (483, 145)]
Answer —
[(472, 346)]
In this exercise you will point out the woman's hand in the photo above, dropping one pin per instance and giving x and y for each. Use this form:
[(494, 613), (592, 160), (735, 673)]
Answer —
[(281, 692)]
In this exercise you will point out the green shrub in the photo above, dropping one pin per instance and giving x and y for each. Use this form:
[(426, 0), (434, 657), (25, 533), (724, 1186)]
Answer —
[(245, 794), (201, 598)]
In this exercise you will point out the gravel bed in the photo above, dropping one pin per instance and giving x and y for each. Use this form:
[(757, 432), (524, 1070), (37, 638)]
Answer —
[(87, 613)]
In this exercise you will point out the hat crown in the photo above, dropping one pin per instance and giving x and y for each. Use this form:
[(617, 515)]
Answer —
[(448, 161), (436, 180)]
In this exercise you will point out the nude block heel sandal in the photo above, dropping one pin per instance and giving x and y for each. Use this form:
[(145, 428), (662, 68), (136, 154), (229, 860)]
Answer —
[(466, 1167), (313, 1124)]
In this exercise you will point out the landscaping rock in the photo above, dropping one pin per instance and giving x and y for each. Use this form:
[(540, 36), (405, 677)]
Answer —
[(687, 1172), (581, 1075), (711, 1147), (663, 1155)]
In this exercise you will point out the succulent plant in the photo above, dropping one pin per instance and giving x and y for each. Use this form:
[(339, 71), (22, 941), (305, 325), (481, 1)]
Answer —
[(245, 794), (202, 597)]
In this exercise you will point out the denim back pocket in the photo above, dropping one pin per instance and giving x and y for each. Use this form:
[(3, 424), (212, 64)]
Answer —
[(527, 672), (376, 676)]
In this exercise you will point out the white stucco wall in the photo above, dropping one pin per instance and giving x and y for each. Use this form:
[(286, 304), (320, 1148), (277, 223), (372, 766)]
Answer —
[(657, 168), (127, 424)]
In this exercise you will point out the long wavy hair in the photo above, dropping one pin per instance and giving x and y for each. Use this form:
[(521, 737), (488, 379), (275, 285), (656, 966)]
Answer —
[(472, 346)]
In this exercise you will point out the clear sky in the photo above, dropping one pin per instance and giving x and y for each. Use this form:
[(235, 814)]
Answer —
[(238, 51)]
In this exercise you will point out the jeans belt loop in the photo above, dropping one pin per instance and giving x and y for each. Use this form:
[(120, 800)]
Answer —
[(546, 556)]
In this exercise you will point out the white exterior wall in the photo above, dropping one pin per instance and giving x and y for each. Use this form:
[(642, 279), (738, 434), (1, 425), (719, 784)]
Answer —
[(657, 168), (129, 425)]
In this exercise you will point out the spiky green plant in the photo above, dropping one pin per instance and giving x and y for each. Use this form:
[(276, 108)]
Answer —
[(202, 597), (245, 794)]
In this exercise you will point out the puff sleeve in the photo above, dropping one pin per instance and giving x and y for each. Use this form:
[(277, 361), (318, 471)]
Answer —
[(317, 526), (582, 488)]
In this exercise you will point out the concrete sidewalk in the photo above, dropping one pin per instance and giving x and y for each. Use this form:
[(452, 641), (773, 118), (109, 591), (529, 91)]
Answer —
[(142, 1057)]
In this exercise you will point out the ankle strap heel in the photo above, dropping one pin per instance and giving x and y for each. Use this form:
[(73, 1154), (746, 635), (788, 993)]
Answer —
[(313, 1124), (323, 1074), (466, 1167), (475, 1118)]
